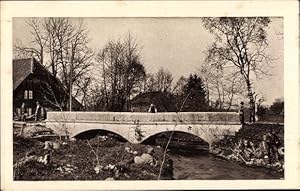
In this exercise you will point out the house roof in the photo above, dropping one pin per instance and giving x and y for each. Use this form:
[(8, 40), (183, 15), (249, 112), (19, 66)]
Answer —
[(21, 69)]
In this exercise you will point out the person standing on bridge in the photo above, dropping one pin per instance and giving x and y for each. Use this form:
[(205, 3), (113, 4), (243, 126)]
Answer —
[(152, 108)]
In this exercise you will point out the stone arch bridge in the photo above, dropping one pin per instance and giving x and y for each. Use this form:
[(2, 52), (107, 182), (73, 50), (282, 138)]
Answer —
[(137, 127)]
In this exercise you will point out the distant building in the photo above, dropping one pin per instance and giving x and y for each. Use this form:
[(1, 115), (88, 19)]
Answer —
[(163, 101), (32, 82)]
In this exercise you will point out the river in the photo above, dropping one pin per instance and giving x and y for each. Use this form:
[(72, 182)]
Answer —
[(209, 167)]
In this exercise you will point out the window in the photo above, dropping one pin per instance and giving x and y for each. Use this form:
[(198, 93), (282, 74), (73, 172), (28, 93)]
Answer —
[(28, 94)]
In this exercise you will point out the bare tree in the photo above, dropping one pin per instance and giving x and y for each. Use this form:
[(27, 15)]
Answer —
[(82, 89), (37, 45), (163, 80), (111, 58), (51, 26), (135, 71), (64, 44), (241, 43), (221, 85), (95, 98), (121, 71), (51, 97), (73, 55), (148, 83), (179, 86), (53, 93)]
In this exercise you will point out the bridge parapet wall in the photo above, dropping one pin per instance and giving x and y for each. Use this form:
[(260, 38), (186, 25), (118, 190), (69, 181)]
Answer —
[(190, 117)]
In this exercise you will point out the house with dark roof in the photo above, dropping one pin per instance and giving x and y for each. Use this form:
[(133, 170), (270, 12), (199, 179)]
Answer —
[(163, 101), (33, 82)]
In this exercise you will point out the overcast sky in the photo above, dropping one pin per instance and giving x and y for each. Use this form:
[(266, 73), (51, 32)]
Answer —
[(177, 44)]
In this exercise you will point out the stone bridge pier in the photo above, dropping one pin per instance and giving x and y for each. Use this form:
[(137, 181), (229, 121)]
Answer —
[(137, 127)]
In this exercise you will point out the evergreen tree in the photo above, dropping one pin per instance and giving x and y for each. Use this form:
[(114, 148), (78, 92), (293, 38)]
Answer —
[(194, 95)]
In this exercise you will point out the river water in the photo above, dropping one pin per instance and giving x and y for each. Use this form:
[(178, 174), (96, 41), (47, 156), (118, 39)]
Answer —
[(209, 167)]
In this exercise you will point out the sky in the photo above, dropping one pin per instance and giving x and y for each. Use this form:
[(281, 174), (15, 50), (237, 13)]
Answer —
[(177, 44)]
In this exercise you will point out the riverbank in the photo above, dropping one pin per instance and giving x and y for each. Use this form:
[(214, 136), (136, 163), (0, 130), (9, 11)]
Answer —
[(233, 147), (100, 158)]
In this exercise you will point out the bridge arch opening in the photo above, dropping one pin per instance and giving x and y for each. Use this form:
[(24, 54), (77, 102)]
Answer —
[(90, 134), (180, 141)]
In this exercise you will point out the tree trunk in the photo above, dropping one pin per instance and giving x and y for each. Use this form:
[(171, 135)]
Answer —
[(251, 102), (71, 78), (70, 88)]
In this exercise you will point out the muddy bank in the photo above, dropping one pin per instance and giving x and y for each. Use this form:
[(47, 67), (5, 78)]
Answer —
[(245, 147), (100, 158)]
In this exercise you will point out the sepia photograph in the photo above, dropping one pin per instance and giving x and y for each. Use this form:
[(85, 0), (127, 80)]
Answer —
[(148, 98), (128, 95)]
